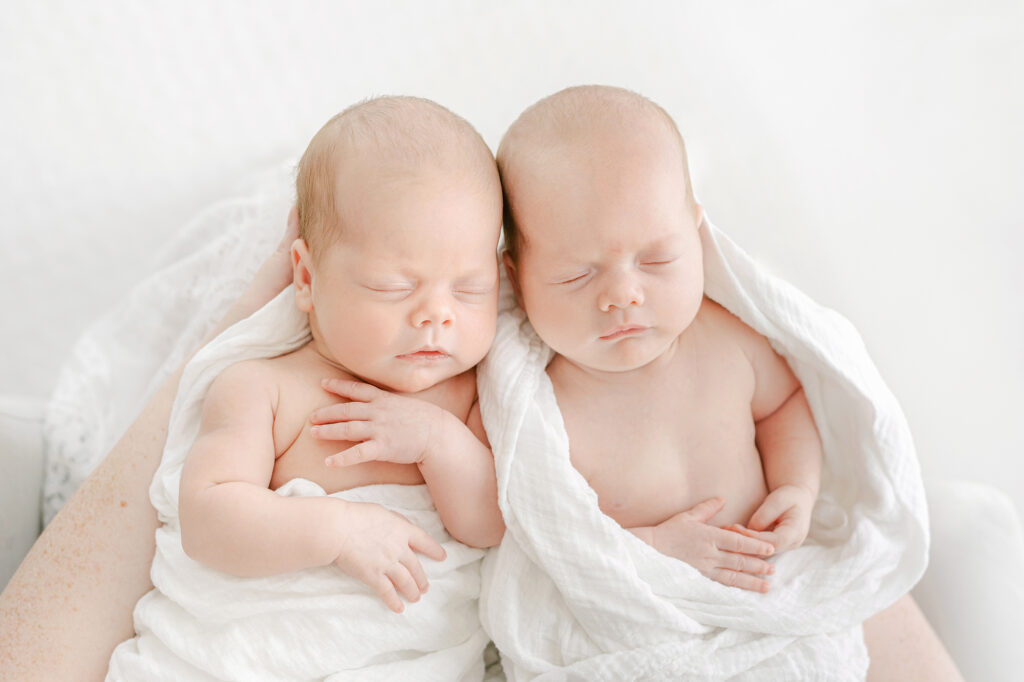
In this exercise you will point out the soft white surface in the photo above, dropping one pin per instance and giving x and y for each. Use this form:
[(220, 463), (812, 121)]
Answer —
[(592, 601), (21, 459), (972, 592), (871, 153), (315, 624), (128, 353)]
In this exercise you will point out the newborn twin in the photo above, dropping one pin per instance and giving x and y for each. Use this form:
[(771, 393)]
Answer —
[(693, 433)]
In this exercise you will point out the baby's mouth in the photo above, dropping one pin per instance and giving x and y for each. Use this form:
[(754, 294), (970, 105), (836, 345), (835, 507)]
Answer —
[(624, 330), (426, 355)]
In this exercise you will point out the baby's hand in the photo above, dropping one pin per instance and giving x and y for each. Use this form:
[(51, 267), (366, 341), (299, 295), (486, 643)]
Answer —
[(379, 548), (719, 554), (783, 519), (387, 427)]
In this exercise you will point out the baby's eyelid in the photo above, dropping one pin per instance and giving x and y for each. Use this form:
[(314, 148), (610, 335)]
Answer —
[(389, 288), (659, 260), (572, 279)]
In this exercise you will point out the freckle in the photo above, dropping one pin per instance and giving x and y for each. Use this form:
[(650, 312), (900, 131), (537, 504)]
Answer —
[(124, 503)]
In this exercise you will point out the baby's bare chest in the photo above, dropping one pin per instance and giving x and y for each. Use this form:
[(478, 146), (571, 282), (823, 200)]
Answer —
[(300, 455), (661, 450)]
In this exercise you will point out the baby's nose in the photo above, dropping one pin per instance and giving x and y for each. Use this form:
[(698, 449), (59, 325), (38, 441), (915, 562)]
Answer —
[(620, 291), (433, 310)]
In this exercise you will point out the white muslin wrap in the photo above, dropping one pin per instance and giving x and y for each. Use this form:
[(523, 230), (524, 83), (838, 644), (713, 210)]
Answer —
[(201, 624), (571, 595)]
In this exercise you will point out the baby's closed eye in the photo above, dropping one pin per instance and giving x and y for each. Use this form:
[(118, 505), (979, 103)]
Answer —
[(571, 278), (660, 259), (390, 290)]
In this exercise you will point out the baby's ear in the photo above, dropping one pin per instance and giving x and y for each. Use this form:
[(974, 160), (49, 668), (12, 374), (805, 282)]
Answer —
[(302, 275), (513, 275)]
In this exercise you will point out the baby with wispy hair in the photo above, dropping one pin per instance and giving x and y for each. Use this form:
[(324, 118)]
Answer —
[(283, 555)]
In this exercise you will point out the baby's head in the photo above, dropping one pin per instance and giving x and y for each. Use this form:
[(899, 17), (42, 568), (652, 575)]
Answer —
[(399, 213), (601, 226)]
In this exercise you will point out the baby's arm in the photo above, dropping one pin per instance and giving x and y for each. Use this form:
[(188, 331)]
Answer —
[(454, 458), (788, 442), (232, 521)]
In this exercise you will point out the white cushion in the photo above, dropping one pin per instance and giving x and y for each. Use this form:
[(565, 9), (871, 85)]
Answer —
[(972, 592), (21, 461)]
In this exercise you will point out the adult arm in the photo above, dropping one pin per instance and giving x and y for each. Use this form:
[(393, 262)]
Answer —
[(71, 600)]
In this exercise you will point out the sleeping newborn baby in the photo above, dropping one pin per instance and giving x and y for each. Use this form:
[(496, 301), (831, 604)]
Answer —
[(693, 432), (399, 209), (636, 422)]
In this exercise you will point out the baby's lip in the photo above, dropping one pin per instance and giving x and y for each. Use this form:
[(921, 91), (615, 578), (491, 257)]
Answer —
[(426, 354), (623, 330)]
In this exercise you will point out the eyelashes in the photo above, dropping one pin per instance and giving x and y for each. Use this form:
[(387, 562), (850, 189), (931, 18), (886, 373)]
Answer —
[(652, 263), (399, 292), (572, 280)]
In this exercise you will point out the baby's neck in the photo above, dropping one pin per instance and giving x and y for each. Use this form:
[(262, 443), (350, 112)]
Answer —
[(564, 372)]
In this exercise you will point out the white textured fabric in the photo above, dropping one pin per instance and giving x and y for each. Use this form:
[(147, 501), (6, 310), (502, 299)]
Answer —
[(571, 595), (201, 624), (126, 355)]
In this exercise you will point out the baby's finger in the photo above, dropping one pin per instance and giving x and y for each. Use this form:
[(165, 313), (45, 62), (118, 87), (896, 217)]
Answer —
[(357, 454), (768, 513), (385, 589), (764, 536), (787, 535), (745, 564), (730, 541), (354, 431), (412, 564), (420, 541), (353, 390), (703, 511), (341, 412), (403, 581), (740, 580)]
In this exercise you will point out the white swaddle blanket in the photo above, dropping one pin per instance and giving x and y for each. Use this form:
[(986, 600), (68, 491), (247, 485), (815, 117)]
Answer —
[(201, 624), (571, 595)]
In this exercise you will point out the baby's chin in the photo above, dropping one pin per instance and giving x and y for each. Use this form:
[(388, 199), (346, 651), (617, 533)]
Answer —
[(620, 360), (417, 380)]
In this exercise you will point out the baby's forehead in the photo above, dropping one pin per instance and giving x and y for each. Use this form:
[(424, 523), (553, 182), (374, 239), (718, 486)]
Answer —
[(588, 115)]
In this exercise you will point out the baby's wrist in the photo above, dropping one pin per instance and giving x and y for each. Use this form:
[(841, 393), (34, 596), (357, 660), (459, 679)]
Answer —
[(645, 533), (439, 435)]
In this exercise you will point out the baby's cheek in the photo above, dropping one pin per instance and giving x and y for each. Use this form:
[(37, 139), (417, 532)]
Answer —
[(476, 337)]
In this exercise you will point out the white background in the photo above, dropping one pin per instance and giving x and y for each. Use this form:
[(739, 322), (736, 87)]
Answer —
[(870, 153)]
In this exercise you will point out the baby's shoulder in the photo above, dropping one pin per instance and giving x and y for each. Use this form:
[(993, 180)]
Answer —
[(721, 325), (253, 378), (268, 374)]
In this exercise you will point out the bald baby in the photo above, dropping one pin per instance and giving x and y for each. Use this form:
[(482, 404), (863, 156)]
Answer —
[(399, 208), (390, 137), (693, 432)]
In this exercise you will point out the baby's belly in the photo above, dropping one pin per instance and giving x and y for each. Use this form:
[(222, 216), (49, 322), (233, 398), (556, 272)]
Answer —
[(648, 495), (305, 459)]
